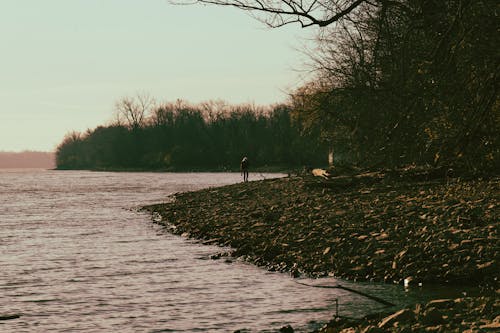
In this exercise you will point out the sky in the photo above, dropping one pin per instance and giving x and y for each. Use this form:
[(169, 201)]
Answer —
[(64, 63)]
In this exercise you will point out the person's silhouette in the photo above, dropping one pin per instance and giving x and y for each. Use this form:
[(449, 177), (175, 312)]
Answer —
[(244, 168)]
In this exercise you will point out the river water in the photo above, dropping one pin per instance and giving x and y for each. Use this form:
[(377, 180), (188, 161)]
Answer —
[(76, 255)]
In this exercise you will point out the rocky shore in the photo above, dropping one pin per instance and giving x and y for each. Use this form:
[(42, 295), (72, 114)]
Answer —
[(374, 227), (461, 315)]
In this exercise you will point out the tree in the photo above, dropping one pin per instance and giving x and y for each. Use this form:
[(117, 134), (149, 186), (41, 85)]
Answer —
[(69, 153), (307, 13), (415, 81), (184, 136), (133, 111)]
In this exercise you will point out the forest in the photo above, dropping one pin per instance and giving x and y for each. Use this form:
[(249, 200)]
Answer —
[(394, 83), (409, 82), (182, 137)]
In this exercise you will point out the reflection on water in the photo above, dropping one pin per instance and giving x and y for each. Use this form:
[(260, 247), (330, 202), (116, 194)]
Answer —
[(76, 256)]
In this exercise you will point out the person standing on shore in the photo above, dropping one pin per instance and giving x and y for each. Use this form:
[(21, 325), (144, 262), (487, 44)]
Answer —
[(244, 168)]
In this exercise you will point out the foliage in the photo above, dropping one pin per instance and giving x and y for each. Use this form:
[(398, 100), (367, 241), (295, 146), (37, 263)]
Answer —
[(179, 136), (409, 82), (397, 83)]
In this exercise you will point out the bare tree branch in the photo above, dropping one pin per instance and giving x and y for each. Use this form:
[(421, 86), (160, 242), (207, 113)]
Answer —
[(305, 12), (133, 111)]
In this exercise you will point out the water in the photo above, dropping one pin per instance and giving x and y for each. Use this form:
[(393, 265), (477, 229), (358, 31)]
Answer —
[(75, 255)]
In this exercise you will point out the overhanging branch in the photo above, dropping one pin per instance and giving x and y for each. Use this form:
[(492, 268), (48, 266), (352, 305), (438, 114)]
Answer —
[(306, 13)]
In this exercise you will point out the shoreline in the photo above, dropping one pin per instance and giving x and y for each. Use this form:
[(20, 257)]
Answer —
[(261, 169), (422, 232)]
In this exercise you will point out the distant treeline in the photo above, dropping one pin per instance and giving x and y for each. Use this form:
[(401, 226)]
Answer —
[(179, 136)]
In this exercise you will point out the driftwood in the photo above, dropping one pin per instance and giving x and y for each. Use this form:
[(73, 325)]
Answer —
[(338, 286), (410, 174), (347, 180)]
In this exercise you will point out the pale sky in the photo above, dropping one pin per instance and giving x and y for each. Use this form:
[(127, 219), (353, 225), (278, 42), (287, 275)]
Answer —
[(64, 63)]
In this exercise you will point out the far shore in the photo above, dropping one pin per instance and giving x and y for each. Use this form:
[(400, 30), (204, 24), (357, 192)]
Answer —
[(260, 169), (412, 232)]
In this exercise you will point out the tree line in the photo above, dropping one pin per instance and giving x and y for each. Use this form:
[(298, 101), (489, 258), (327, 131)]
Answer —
[(398, 82), (180, 136), (395, 83)]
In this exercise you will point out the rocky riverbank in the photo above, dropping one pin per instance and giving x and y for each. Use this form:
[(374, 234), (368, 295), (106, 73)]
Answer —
[(388, 230), (470, 314)]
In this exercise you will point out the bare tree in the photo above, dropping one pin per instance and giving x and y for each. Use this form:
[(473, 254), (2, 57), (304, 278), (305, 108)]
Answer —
[(133, 111), (307, 13), (163, 115)]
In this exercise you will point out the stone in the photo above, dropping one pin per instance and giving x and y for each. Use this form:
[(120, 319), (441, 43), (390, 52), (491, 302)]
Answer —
[(404, 315), (286, 329), (407, 281), (382, 236), (493, 327), (441, 303), (348, 330), (418, 309), (328, 329), (485, 265), (432, 316), (372, 329), (405, 329)]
